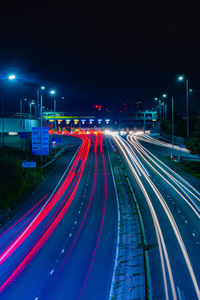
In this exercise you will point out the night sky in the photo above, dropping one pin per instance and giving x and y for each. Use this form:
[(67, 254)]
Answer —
[(102, 52)]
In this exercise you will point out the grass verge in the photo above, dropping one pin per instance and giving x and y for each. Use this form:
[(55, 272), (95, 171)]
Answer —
[(191, 167), (17, 183)]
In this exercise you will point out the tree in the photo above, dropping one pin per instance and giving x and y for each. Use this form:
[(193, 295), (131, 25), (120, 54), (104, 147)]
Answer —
[(193, 143)]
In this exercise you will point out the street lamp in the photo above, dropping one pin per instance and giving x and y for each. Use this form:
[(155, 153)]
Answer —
[(52, 93), (182, 78), (164, 96), (11, 77), (42, 88)]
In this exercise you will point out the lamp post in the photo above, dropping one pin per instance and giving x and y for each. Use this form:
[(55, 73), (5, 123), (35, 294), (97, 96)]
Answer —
[(172, 126), (42, 88), (53, 92), (164, 96), (10, 77), (182, 78)]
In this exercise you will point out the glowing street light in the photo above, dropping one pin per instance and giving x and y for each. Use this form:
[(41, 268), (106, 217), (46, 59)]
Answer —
[(11, 77), (182, 78), (52, 92), (164, 95)]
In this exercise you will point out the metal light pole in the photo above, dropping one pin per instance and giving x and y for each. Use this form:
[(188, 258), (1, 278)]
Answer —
[(53, 92), (144, 122), (54, 115), (165, 111), (2, 112), (181, 78), (187, 106), (37, 103), (41, 119), (11, 77), (21, 122), (172, 125)]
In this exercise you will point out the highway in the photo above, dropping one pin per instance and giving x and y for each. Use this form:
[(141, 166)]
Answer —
[(171, 210), (64, 246)]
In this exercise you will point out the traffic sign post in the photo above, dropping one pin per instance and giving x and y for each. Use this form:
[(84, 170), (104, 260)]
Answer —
[(29, 164), (40, 141)]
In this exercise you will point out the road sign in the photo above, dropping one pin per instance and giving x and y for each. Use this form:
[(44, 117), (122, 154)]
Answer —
[(40, 141), (29, 164)]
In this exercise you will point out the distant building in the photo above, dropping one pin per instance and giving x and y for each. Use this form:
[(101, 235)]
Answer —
[(144, 119)]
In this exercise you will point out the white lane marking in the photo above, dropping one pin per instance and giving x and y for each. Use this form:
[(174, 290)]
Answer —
[(83, 196), (51, 272), (70, 234), (178, 211), (36, 298), (75, 222), (79, 211), (186, 221), (63, 250), (85, 190), (81, 203), (87, 184), (57, 260), (193, 234), (172, 202)]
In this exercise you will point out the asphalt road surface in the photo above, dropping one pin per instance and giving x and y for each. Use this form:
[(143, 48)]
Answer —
[(171, 210), (63, 247)]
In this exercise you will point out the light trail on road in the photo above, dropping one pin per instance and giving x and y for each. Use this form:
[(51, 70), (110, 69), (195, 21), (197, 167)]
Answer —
[(35, 228), (161, 243), (42, 214), (130, 156)]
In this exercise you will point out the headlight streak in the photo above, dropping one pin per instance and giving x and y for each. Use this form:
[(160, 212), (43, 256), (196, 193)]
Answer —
[(51, 228), (140, 148), (161, 242), (161, 143), (172, 171), (175, 229), (196, 209), (139, 161)]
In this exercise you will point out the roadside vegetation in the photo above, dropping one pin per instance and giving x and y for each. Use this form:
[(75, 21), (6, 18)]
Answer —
[(17, 183), (193, 142), (190, 167)]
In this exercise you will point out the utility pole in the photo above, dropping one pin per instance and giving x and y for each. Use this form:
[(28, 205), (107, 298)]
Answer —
[(187, 106), (41, 139), (54, 116), (2, 112), (172, 126)]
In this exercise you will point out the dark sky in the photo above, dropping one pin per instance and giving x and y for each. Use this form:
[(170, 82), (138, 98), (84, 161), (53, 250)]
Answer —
[(103, 52)]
